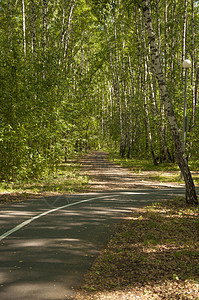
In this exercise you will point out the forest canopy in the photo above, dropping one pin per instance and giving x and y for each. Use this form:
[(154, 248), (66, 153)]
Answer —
[(80, 74)]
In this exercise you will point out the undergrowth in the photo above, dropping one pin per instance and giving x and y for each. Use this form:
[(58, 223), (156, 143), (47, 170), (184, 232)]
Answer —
[(66, 179), (164, 172)]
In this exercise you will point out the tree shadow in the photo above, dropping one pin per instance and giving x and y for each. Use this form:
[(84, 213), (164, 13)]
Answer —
[(50, 255), (152, 250)]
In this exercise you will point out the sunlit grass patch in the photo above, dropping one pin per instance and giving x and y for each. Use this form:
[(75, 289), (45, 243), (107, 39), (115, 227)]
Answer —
[(194, 164), (164, 172), (137, 164), (166, 177)]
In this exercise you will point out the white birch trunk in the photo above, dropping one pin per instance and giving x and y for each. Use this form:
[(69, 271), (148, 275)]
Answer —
[(184, 31), (191, 196), (44, 29), (24, 27), (193, 60), (66, 25), (116, 84), (33, 27)]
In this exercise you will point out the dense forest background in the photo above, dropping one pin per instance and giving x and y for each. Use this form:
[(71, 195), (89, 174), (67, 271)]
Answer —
[(78, 74)]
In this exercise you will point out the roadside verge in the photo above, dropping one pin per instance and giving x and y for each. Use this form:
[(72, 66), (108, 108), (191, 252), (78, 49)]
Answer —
[(154, 254)]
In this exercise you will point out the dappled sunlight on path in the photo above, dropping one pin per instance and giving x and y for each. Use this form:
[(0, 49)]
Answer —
[(105, 175), (48, 243)]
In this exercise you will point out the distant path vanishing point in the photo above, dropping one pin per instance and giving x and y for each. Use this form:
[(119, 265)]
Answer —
[(107, 176), (48, 243)]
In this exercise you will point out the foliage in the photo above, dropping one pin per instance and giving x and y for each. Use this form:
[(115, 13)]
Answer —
[(139, 164), (66, 179), (165, 172), (44, 111), (78, 74)]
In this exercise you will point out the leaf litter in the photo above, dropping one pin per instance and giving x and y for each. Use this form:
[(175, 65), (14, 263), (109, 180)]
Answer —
[(153, 254)]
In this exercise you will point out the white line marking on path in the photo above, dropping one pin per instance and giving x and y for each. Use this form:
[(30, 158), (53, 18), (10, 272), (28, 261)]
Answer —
[(3, 236)]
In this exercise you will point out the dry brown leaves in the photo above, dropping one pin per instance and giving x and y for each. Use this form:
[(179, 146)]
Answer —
[(154, 254)]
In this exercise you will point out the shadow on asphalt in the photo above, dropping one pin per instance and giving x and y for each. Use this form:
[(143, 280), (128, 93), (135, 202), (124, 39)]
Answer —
[(48, 257)]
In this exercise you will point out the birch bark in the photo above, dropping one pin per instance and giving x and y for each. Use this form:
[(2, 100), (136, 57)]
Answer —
[(191, 197), (24, 27), (194, 87), (33, 27), (184, 31), (116, 83), (148, 127), (44, 29), (145, 88), (67, 30)]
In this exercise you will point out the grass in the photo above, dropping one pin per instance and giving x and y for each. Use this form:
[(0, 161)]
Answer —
[(165, 172), (154, 254), (67, 179), (139, 164)]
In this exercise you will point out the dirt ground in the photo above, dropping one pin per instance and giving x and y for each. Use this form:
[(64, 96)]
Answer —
[(103, 176), (106, 176), (151, 253)]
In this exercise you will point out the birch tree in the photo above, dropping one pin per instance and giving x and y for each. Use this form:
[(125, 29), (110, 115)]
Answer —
[(191, 196)]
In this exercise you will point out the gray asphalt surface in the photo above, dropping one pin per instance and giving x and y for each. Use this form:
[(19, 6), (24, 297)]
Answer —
[(47, 257)]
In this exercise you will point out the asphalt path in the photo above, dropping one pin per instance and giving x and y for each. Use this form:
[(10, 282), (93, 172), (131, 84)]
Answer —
[(47, 244)]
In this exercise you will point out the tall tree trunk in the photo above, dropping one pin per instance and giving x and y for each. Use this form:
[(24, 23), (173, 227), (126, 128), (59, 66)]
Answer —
[(191, 196), (194, 86), (33, 27), (122, 135), (69, 21), (116, 84), (67, 16), (165, 37), (158, 26), (24, 27), (148, 127), (44, 29), (184, 34), (184, 31), (196, 90), (131, 96), (145, 87), (164, 151)]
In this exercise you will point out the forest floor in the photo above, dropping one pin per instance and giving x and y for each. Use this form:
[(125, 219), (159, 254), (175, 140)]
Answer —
[(105, 175), (65, 180), (154, 252), (92, 172)]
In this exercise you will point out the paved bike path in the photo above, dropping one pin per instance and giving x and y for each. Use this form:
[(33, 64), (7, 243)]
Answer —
[(46, 256)]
